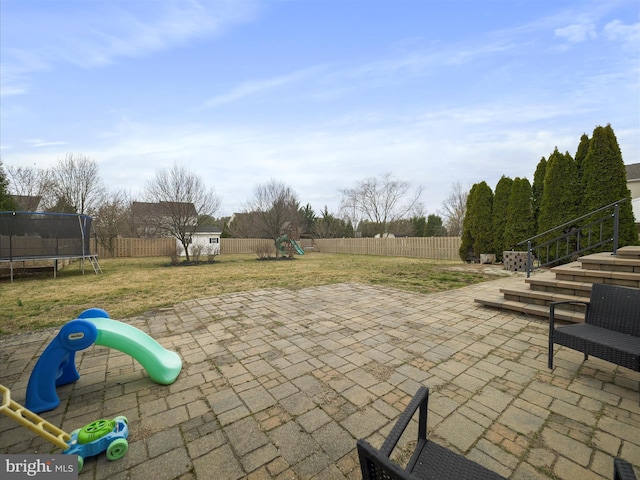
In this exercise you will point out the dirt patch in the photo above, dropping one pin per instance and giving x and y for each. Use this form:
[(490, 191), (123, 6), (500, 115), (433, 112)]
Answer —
[(496, 269)]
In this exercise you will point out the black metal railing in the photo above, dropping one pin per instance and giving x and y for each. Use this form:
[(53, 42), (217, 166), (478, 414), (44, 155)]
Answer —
[(575, 238)]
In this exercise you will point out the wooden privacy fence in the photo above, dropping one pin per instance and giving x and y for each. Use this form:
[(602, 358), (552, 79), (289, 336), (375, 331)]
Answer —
[(137, 247), (438, 248)]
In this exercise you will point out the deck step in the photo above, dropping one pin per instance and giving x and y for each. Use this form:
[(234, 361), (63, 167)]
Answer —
[(609, 262), (632, 252), (547, 282), (574, 272), (539, 311), (572, 281)]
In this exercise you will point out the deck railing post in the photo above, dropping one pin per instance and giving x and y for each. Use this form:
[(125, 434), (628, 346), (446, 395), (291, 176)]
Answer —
[(616, 215), (528, 258)]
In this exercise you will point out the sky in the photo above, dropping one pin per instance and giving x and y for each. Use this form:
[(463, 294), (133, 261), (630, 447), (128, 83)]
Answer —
[(316, 94)]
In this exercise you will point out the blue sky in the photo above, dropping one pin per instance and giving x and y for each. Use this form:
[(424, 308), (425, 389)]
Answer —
[(318, 94)]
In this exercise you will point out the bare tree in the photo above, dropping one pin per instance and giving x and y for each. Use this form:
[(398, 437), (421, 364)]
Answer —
[(76, 182), (34, 185), (274, 207), (455, 207), (381, 200), (183, 203), (112, 219)]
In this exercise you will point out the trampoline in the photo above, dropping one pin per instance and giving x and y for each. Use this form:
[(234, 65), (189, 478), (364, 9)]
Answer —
[(45, 237)]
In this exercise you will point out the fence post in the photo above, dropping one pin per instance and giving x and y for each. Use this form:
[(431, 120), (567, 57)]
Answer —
[(528, 258)]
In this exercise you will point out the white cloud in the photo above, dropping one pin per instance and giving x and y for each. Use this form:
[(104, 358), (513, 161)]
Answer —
[(98, 33), (577, 33), (625, 34)]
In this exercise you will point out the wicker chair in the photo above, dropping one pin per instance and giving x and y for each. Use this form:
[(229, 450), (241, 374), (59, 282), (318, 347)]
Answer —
[(611, 328), (431, 461)]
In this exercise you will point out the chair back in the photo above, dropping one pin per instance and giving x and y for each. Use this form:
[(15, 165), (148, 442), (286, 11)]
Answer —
[(615, 308)]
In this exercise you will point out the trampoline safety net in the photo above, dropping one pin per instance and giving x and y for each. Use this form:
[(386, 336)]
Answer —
[(34, 235)]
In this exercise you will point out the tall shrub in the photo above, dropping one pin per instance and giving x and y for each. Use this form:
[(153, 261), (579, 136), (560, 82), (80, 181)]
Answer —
[(561, 196), (520, 223), (477, 229), (499, 213), (538, 187), (605, 182)]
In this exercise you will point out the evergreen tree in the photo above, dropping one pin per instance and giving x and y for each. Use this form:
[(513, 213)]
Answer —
[(499, 212), (434, 227), (581, 154), (477, 232), (418, 225), (605, 182), (561, 196), (538, 187), (520, 224), (6, 201)]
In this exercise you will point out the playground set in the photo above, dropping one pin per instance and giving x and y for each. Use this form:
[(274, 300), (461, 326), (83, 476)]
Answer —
[(56, 367), (286, 245)]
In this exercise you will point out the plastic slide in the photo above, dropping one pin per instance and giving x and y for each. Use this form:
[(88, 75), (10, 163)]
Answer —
[(162, 365), (56, 366), (297, 246)]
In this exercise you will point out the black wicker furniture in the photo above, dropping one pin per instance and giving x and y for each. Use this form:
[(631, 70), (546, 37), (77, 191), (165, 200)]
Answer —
[(611, 328), (429, 460), (622, 470)]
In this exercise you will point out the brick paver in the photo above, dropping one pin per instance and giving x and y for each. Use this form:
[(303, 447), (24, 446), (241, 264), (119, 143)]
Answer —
[(280, 384)]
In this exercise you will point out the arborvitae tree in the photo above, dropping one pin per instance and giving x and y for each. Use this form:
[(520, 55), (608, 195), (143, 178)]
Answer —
[(520, 223), (434, 227), (477, 235), (561, 196), (6, 202), (499, 212), (538, 187), (581, 153), (605, 182)]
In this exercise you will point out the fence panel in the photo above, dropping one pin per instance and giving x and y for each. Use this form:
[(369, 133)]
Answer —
[(439, 248), (244, 245), (136, 247)]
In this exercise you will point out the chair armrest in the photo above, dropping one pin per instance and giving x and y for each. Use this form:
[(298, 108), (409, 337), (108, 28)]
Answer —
[(420, 400), (622, 470), (552, 308), (374, 465)]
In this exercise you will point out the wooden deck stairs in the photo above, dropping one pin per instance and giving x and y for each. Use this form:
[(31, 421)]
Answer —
[(568, 282)]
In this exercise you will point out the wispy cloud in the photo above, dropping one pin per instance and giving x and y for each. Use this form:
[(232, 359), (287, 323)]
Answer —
[(96, 34), (254, 87), (577, 32)]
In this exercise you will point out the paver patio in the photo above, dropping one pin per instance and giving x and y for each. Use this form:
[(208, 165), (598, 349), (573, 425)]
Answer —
[(281, 384)]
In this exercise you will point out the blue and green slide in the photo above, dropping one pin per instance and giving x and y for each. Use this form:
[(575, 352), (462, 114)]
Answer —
[(56, 366)]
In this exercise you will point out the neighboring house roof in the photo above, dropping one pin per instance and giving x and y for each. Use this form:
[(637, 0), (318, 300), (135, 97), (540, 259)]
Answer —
[(27, 203), (633, 172), (207, 229), (149, 209)]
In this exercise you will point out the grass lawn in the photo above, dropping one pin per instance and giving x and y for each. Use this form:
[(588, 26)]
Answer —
[(130, 286)]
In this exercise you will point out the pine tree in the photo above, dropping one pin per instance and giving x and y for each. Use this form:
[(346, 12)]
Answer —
[(605, 182), (520, 222), (477, 232), (499, 213), (538, 187)]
